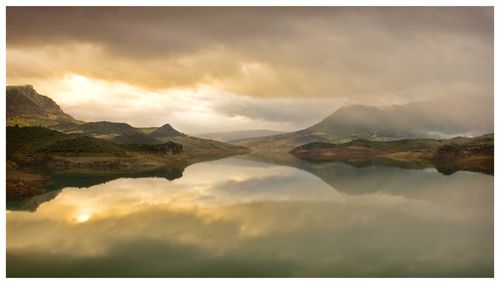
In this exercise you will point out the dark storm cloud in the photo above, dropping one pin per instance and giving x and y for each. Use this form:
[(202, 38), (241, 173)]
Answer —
[(143, 30), (364, 53)]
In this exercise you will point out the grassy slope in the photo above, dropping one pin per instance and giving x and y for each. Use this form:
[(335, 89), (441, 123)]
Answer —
[(42, 147)]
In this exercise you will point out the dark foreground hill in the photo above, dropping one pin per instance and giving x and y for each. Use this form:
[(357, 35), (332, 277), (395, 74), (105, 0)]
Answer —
[(446, 155), (39, 146), (34, 151)]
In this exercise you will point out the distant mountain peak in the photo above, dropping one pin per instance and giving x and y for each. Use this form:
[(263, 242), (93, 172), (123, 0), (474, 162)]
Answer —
[(469, 116), (166, 130)]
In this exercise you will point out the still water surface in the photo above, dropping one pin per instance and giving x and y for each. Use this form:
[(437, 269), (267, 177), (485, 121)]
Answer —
[(240, 217)]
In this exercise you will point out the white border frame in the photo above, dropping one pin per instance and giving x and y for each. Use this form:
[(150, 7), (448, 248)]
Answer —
[(6, 3)]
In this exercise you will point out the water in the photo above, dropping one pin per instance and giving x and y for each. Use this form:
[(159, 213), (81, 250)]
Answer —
[(241, 217)]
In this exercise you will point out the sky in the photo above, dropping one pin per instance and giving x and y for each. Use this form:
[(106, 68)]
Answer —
[(208, 69)]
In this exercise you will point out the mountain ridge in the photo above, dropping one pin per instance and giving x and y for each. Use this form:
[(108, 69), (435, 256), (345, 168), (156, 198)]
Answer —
[(26, 106), (412, 120)]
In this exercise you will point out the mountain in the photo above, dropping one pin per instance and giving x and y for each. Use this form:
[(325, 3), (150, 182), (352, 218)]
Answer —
[(193, 144), (126, 134), (231, 136), (443, 118), (25, 106), (54, 142), (166, 132)]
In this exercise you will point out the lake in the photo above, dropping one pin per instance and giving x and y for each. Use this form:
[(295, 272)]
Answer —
[(241, 216)]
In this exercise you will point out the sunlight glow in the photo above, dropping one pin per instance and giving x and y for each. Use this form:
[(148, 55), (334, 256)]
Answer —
[(82, 218)]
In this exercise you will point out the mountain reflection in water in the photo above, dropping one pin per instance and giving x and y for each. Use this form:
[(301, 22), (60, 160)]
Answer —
[(240, 217)]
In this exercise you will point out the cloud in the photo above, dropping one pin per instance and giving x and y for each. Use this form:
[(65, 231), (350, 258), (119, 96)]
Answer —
[(366, 54), (293, 112), (189, 110), (247, 67)]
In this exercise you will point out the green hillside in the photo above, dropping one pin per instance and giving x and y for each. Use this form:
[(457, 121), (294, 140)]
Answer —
[(26, 141)]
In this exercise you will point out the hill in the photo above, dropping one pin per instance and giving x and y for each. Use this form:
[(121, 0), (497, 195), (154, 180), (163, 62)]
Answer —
[(26, 107), (446, 155), (433, 119), (113, 131), (166, 132), (125, 134), (33, 152), (26, 144), (231, 136), (192, 144)]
